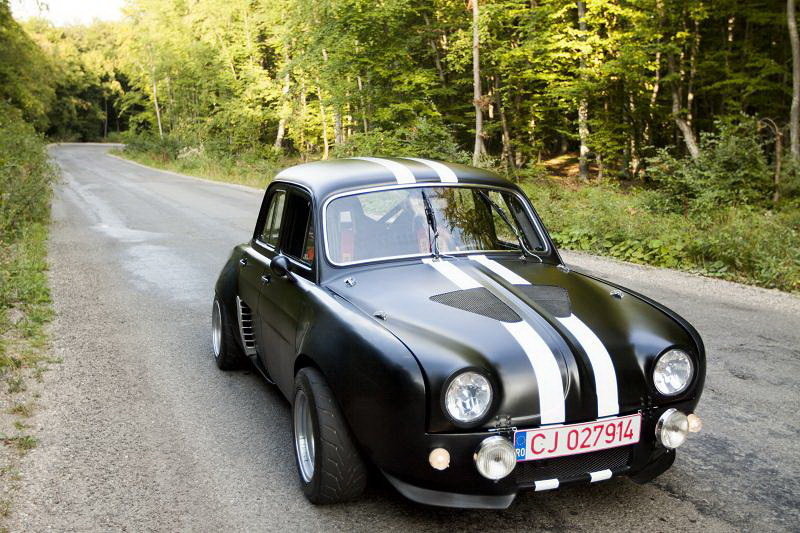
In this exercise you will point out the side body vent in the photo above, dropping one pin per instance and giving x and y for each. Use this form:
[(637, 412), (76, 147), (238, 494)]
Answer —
[(245, 316), (555, 300), (479, 301)]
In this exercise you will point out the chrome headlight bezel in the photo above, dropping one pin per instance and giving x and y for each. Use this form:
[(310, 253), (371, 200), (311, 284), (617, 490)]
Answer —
[(446, 390), (658, 383)]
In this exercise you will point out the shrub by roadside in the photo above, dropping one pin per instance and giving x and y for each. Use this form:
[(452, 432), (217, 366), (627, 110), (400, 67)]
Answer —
[(26, 177), (744, 244)]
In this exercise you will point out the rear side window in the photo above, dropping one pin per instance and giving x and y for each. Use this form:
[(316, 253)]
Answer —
[(298, 241), (272, 222)]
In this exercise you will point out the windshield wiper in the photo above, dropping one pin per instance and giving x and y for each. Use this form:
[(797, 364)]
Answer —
[(434, 242), (499, 210)]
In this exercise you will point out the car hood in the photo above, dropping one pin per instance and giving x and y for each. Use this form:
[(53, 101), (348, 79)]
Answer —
[(559, 346)]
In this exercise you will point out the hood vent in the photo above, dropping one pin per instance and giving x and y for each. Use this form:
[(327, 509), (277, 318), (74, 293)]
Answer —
[(554, 300), (479, 301)]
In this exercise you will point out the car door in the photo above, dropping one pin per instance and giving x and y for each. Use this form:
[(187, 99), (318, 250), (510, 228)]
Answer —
[(283, 300), (254, 270)]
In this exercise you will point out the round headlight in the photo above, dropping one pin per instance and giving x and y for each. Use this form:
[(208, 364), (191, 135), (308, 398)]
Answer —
[(496, 458), (672, 428), (673, 372), (468, 397)]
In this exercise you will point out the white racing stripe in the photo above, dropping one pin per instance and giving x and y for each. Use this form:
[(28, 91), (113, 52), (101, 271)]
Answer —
[(602, 475), (444, 172), (542, 359), (401, 172), (500, 270), (546, 484), (453, 273), (548, 375), (605, 377)]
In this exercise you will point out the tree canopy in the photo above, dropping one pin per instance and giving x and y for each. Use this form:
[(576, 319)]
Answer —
[(623, 79)]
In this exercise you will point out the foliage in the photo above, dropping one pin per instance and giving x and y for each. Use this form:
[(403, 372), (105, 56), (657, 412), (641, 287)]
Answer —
[(425, 137), (235, 89), (731, 170), (736, 243), (24, 71), (25, 179)]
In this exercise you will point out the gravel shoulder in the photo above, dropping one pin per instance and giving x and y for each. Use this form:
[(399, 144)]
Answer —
[(138, 430)]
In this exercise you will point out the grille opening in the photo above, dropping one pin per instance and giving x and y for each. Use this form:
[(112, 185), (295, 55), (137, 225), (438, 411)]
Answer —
[(245, 316), (572, 467), (479, 301), (555, 300)]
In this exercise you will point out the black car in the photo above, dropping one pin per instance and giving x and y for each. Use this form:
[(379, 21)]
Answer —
[(419, 318)]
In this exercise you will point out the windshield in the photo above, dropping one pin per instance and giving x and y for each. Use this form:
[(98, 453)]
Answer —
[(392, 223)]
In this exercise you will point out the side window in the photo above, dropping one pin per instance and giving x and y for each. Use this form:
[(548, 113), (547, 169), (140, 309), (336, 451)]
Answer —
[(298, 235), (272, 222), (308, 247)]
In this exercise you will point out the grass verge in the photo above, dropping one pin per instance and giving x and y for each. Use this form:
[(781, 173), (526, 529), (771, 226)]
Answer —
[(26, 176)]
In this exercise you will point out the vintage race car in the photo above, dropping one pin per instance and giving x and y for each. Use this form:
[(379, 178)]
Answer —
[(419, 319)]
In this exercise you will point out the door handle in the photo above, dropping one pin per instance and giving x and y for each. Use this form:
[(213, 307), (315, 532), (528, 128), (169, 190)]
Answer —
[(266, 278), (243, 261)]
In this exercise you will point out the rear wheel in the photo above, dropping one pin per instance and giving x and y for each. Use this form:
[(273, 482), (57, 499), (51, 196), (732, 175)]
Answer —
[(328, 462), (227, 353)]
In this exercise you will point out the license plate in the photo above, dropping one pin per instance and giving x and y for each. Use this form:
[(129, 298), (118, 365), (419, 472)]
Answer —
[(558, 441)]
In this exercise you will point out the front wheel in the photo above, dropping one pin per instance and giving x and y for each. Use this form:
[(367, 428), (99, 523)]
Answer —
[(328, 462)]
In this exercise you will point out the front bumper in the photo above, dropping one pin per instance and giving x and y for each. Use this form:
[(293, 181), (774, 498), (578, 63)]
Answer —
[(461, 485)]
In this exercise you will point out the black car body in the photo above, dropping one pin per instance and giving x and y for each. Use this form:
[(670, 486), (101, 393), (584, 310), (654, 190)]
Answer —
[(388, 332)]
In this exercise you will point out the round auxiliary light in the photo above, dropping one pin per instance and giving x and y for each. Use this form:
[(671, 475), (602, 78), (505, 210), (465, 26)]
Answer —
[(439, 458), (673, 372), (495, 458), (468, 397), (672, 428)]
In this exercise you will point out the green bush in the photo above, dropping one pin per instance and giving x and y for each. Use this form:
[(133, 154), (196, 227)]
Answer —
[(25, 188), (731, 171), (25, 176), (738, 243), (425, 137)]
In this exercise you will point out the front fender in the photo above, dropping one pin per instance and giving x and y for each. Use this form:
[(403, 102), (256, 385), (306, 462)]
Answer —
[(376, 380)]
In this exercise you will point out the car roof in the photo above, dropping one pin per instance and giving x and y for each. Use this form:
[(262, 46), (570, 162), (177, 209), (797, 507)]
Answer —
[(324, 178)]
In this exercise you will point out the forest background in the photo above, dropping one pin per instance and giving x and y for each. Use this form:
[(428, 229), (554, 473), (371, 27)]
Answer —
[(662, 132)]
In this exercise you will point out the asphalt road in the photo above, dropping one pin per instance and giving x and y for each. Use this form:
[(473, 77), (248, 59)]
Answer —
[(139, 430)]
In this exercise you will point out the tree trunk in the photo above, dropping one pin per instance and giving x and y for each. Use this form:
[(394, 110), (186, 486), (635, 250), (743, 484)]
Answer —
[(508, 152), (653, 99), (155, 104), (282, 120), (683, 126), (362, 104), (794, 114), (776, 195), (338, 133), (324, 119), (105, 118), (583, 105), (692, 73), (435, 49), (480, 149)]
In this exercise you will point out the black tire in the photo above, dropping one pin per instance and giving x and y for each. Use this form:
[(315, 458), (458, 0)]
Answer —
[(339, 474), (227, 353)]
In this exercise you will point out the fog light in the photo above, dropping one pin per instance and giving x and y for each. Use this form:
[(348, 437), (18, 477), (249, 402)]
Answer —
[(439, 458), (695, 424), (495, 458), (672, 428)]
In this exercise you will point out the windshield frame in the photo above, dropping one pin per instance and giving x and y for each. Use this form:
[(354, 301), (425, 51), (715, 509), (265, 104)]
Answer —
[(536, 223)]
